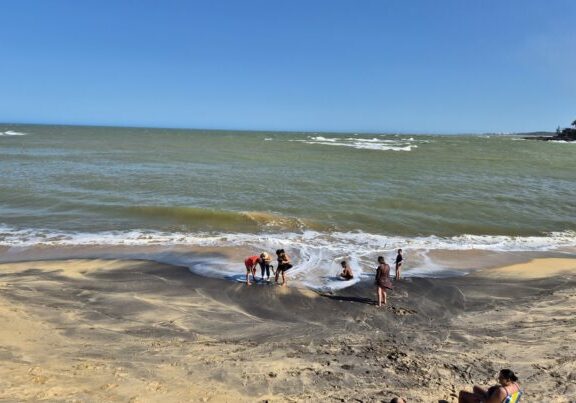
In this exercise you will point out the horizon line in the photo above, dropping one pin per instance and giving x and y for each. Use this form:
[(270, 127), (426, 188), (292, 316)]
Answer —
[(415, 133)]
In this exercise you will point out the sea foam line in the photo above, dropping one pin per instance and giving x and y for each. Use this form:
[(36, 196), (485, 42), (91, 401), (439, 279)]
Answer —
[(316, 255), (375, 143), (13, 237)]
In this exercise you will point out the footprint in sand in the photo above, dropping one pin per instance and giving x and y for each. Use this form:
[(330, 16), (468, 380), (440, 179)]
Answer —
[(399, 311), (154, 386), (37, 376), (119, 373)]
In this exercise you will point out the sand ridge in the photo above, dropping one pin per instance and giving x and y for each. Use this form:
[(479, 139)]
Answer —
[(535, 268)]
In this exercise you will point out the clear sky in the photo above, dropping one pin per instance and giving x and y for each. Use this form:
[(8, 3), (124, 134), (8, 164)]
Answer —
[(438, 66)]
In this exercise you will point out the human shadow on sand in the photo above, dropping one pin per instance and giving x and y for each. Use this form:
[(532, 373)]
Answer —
[(362, 300)]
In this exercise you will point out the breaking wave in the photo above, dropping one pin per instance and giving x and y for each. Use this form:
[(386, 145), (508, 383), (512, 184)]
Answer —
[(12, 133), (375, 143), (316, 255)]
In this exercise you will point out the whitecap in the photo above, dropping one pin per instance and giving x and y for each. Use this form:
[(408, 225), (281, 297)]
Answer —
[(12, 133), (378, 144)]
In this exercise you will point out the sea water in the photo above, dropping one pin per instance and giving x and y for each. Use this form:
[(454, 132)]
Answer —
[(154, 193)]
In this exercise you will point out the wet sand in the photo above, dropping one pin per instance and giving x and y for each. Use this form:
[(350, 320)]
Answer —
[(108, 330)]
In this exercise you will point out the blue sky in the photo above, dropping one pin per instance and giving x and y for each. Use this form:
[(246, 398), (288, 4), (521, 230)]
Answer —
[(437, 66)]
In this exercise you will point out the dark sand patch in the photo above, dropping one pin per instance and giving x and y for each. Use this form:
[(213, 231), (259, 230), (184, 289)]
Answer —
[(96, 330)]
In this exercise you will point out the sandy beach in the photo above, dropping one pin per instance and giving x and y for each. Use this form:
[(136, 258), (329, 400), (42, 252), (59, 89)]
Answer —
[(137, 331)]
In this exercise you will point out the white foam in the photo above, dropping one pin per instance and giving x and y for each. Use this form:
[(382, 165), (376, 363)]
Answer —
[(374, 143), (315, 255), (547, 141), (12, 133), (322, 138), (334, 240)]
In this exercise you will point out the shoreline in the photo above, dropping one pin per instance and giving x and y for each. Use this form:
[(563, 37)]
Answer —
[(314, 272), (95, 330)]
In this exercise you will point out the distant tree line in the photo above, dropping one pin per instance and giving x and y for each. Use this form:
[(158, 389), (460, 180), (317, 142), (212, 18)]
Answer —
[(566, 134)]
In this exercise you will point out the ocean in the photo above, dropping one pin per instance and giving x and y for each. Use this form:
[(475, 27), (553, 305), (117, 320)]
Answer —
[(158, 194)]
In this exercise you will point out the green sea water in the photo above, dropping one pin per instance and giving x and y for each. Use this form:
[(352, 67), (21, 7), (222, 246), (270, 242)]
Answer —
[(93, 179), (322, 191)]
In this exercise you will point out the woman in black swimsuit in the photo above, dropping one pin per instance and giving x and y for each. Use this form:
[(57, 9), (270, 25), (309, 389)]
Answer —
[(399, 260), (283, 265)]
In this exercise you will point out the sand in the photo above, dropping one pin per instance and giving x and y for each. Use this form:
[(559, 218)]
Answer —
[(137, 331)]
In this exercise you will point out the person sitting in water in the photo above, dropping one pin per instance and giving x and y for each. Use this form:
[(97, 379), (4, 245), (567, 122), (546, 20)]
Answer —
[(346, 271), (399, 260), (265, 260), (250, 264), (283, 265), (506, 391)]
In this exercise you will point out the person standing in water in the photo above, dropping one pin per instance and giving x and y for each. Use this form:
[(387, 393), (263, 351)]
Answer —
[(265, 260), (346, 271), (250, 264), (383, 282), (399, 259), (283, 265)]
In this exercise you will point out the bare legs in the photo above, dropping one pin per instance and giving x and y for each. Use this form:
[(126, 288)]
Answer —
[(248, 271), (381, 292), (398, 267), (478, 395), (467, 397), (278, 271)]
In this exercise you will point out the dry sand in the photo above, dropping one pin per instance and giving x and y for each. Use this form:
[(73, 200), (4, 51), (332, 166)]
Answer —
[(100, 331)]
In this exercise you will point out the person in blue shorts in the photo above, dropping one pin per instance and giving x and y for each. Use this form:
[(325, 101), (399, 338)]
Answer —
[(265, 265)]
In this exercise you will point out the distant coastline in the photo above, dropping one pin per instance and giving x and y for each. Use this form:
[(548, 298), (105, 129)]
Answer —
[(566, 134)]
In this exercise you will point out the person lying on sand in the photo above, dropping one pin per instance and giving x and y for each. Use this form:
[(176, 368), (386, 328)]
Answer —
[(346, 271), (383, 282), (283, 265), (398, 400), (265, 260), (250, 264), (502, 392)]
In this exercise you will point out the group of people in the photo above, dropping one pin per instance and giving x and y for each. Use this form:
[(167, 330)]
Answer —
[(264, 260), (506, 391)]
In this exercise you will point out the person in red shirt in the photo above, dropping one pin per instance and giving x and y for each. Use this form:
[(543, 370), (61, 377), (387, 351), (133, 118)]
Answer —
[(251, 263)]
